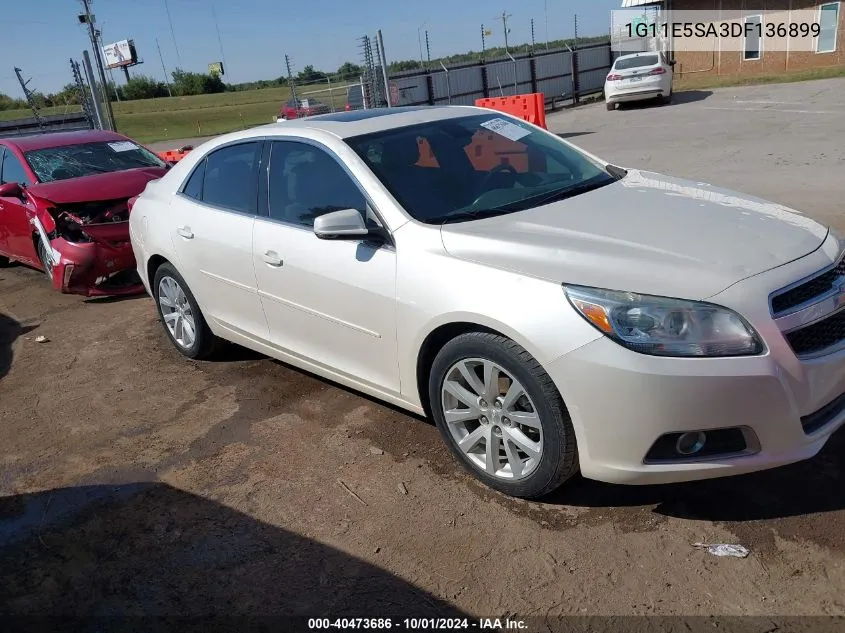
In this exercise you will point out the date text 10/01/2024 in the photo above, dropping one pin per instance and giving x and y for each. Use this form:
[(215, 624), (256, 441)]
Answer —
[(418, 624), (724, 30)]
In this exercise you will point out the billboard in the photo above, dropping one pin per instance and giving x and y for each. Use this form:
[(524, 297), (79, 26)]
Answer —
[(216, 68), (120, 53)]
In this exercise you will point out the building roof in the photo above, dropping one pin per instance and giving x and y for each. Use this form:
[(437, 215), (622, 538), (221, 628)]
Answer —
[(628, 4), (60, 139)]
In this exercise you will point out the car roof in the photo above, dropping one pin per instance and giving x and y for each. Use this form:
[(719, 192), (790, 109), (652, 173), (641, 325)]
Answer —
[(60, 139), (358, 122)]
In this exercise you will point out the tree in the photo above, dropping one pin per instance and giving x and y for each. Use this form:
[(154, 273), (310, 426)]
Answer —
[(188, 83), (349, 70), (8, 103), (142, 87), (309, 74), (407, 64)]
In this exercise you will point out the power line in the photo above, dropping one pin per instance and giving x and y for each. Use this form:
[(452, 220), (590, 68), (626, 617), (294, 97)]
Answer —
[(219, 39), (173, 34)]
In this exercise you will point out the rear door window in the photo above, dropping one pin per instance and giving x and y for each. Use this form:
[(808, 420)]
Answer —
[(231, 177)]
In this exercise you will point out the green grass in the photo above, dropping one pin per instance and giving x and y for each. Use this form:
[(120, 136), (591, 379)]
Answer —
[(690, 82), (149, 120)]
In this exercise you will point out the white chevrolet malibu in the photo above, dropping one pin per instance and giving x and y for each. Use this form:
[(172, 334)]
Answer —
[(551, 312)]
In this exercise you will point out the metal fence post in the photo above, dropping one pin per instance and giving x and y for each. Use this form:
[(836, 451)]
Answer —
[(573, 64), (515, 77), (533, 65), (429, 84), (448, 82), (485, 81)]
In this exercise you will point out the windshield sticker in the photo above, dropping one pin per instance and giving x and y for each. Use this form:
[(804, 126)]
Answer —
[(123, 146), (506, 128)]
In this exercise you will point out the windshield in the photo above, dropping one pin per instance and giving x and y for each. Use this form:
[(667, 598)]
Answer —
[(73, 161), (477, 166), (626, 63)]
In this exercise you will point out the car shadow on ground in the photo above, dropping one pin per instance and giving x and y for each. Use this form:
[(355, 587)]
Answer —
[(10, 330), (115, 299), (150, 549), (807, 487), (678, 98), (568, 135)]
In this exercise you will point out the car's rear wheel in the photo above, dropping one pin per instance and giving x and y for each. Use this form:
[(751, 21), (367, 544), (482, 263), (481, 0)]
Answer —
[(46, 260), (180, 315), (501, 415), (611, 107), (667, 99)]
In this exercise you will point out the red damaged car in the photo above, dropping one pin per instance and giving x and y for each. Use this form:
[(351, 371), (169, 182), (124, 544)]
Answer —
[(64, 207)]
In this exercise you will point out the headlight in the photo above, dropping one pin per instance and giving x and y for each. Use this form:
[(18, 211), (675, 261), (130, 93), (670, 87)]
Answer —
[(665, 327)]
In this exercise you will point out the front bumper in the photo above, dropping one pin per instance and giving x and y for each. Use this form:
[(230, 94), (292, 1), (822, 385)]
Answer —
[(92, 269), (621, 402)]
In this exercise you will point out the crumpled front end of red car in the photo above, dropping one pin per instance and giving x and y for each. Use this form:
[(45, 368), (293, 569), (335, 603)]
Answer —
[(89, 249)]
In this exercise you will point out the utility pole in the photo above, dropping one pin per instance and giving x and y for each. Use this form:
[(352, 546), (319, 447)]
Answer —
[(164, 70), (173, 35), (546, 17), (30, 98), (88, 19), (505, 17)]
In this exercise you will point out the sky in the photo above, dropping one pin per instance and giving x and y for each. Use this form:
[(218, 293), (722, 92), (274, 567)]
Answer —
[(256, 34)]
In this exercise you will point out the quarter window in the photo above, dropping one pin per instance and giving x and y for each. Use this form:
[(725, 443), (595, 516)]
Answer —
[(306, 182), (828, 24), (193, 188), (753, 31), (13, 170), (230, 177)]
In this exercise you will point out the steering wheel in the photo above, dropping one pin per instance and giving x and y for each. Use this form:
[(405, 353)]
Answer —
[(501, 168)]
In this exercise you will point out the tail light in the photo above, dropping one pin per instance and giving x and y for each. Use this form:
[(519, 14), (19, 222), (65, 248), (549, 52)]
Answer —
[(658, 71), (348, 107), (614, 77)]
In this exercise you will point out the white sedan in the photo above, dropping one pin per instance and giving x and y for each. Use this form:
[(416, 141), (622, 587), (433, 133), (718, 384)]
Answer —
[(639, 77), (550, 311)]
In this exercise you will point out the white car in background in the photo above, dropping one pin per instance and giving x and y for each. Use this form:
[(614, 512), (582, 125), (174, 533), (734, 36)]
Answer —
[(639, 77), (552, 313)]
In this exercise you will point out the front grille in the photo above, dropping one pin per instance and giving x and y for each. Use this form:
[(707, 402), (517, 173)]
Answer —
[(808, 290), (821, 418), (819, 335)]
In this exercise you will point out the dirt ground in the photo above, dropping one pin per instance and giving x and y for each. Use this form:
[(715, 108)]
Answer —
[(133, 481)]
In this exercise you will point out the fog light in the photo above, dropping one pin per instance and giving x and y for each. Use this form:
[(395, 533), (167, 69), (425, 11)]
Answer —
[(690, 443)]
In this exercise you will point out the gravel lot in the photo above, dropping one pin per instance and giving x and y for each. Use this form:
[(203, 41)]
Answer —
[(135, 481)]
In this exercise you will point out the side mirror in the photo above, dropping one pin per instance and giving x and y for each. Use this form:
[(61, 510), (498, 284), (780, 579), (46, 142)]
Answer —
[(11, 190), (346, 224)]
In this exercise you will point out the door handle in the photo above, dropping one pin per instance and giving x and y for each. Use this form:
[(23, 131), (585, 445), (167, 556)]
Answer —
[(272, 258), (185, 231)]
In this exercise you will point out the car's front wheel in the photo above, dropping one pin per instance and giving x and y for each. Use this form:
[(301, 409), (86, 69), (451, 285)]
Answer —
[(181, 316), (501, 415)]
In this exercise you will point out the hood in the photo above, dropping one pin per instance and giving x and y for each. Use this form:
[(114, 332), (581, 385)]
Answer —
[(111, 186), (647, 233)]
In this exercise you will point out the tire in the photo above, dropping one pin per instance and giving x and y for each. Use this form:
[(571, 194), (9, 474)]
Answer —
[(203, 343), (44, 257), (4, 261), (667, 100), (550, 430), (611, 107)]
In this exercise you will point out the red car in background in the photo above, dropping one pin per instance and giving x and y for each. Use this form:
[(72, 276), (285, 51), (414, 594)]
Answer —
[(64, 207), (299, 108)]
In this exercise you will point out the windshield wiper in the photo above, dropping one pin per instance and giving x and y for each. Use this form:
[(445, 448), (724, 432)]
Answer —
[(468, 215)]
